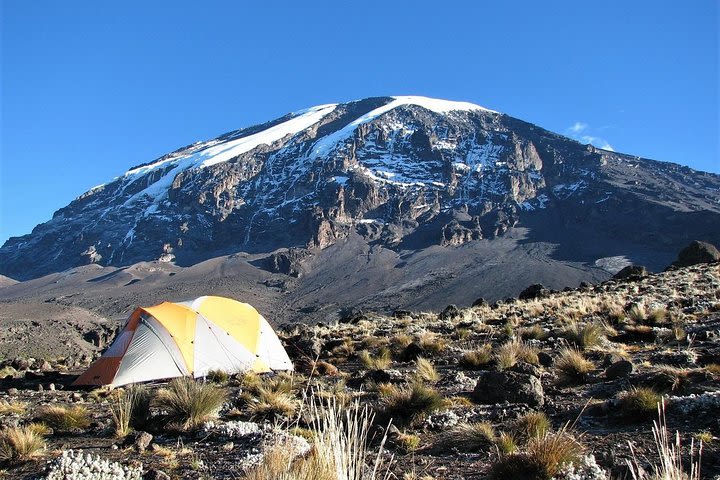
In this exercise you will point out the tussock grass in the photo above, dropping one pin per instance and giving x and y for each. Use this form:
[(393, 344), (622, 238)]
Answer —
[(639, 403), (669, 451), (64, 419), (13, 407), (218, 376), (20, 444), (432, 343), (341, 451), (572, 367), (272, 404), (514, 351), (130, 408), (478, 358), (473, 437), (585, 335), (405, 404), (535, 332), (425, 371), (381, 361), (542, 458), (531, 425), (188, 403)]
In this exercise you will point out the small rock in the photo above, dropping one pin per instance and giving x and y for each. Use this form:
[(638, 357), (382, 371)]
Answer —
[(480, 302), (12, 391), (619, 369), (142, 441), (51, 387), (450, 312), (40, 387), (228, 446), (545, 359), (155, 474)]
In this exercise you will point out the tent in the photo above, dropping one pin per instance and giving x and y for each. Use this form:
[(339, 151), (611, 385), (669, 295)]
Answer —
[(188, 339)]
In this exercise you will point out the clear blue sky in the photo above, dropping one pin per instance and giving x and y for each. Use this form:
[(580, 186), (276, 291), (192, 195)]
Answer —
[(90, 88)]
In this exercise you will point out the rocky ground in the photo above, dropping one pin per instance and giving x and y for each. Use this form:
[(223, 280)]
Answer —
[(458, 385)]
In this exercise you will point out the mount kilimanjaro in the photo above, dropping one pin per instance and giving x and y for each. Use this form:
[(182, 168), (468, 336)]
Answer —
[(386, 202)]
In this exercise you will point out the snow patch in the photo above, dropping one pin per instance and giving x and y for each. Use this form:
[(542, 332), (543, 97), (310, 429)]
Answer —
[(613, 264)]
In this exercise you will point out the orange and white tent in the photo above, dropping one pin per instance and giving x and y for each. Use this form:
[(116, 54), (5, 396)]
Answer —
[(188, 339)]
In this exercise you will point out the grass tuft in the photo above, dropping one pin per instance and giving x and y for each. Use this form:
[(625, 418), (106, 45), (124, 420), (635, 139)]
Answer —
[(64, 419), (405, 404), (639, 403), (20, 444), (478, 358), (188, 403), (572, 367), (514, 351), (381, 361), (425, 371), (473, 437)]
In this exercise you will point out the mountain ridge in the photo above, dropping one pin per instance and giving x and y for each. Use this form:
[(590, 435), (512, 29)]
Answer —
[(404, 172)]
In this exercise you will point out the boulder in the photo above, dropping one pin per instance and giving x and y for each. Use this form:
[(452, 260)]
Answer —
[(513, 387), (631, 272), (450, 312), (142, 441), (697, 252), (534, 291)]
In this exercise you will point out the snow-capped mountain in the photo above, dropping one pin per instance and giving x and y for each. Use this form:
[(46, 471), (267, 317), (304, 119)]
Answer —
[(405, 173)]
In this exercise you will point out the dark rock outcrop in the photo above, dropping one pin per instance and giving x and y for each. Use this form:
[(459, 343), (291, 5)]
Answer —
[(631, 272), (506, 386), (697, 252)]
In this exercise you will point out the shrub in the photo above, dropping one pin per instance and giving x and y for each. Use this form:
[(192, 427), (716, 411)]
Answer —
[(19, 444), (425, 371), (542, 459), (472, 437), (478, 358), (406, 404), (381, 361), (572, 367), (515, 351), (188, 403), (639, 403), (64, 419)]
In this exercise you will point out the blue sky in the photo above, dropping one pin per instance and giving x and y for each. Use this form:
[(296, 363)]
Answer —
[(92, 88)]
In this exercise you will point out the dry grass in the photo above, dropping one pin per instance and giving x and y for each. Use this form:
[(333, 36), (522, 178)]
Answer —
[(129, 408), (639, 403), (585, 335), (20, 444), (473, 437), (478, 358), (572, 367), (64, 419), (14, 407), (272, 404), (340, 450), (542, 458), (381, 361), (531, 425), (669, 452), (535, 332), (514, 351), (432, 343), (188, 403), (425, 371), (405, 404)]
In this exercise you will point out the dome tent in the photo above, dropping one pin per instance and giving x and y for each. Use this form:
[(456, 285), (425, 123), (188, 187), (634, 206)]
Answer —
[(188, 339)]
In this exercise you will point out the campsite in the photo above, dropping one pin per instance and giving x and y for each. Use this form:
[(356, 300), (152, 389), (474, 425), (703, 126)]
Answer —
[(464, 393)]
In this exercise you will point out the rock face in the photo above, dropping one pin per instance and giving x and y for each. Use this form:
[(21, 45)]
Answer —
[(514, 387), (631, 272), (407, 173), (697, 252)]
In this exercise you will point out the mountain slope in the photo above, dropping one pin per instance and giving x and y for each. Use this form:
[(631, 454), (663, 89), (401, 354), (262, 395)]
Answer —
[(401, 173)]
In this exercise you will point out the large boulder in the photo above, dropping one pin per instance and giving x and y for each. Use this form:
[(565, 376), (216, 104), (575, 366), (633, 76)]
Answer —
[(513, 387), (697, 252), (631, 272), (534, 291)]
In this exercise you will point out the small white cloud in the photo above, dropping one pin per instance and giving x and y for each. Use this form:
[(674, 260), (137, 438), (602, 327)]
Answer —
[(583, 133), (578, 127)]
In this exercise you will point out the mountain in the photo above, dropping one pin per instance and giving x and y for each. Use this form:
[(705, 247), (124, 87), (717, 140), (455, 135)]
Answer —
[(392, 192)]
